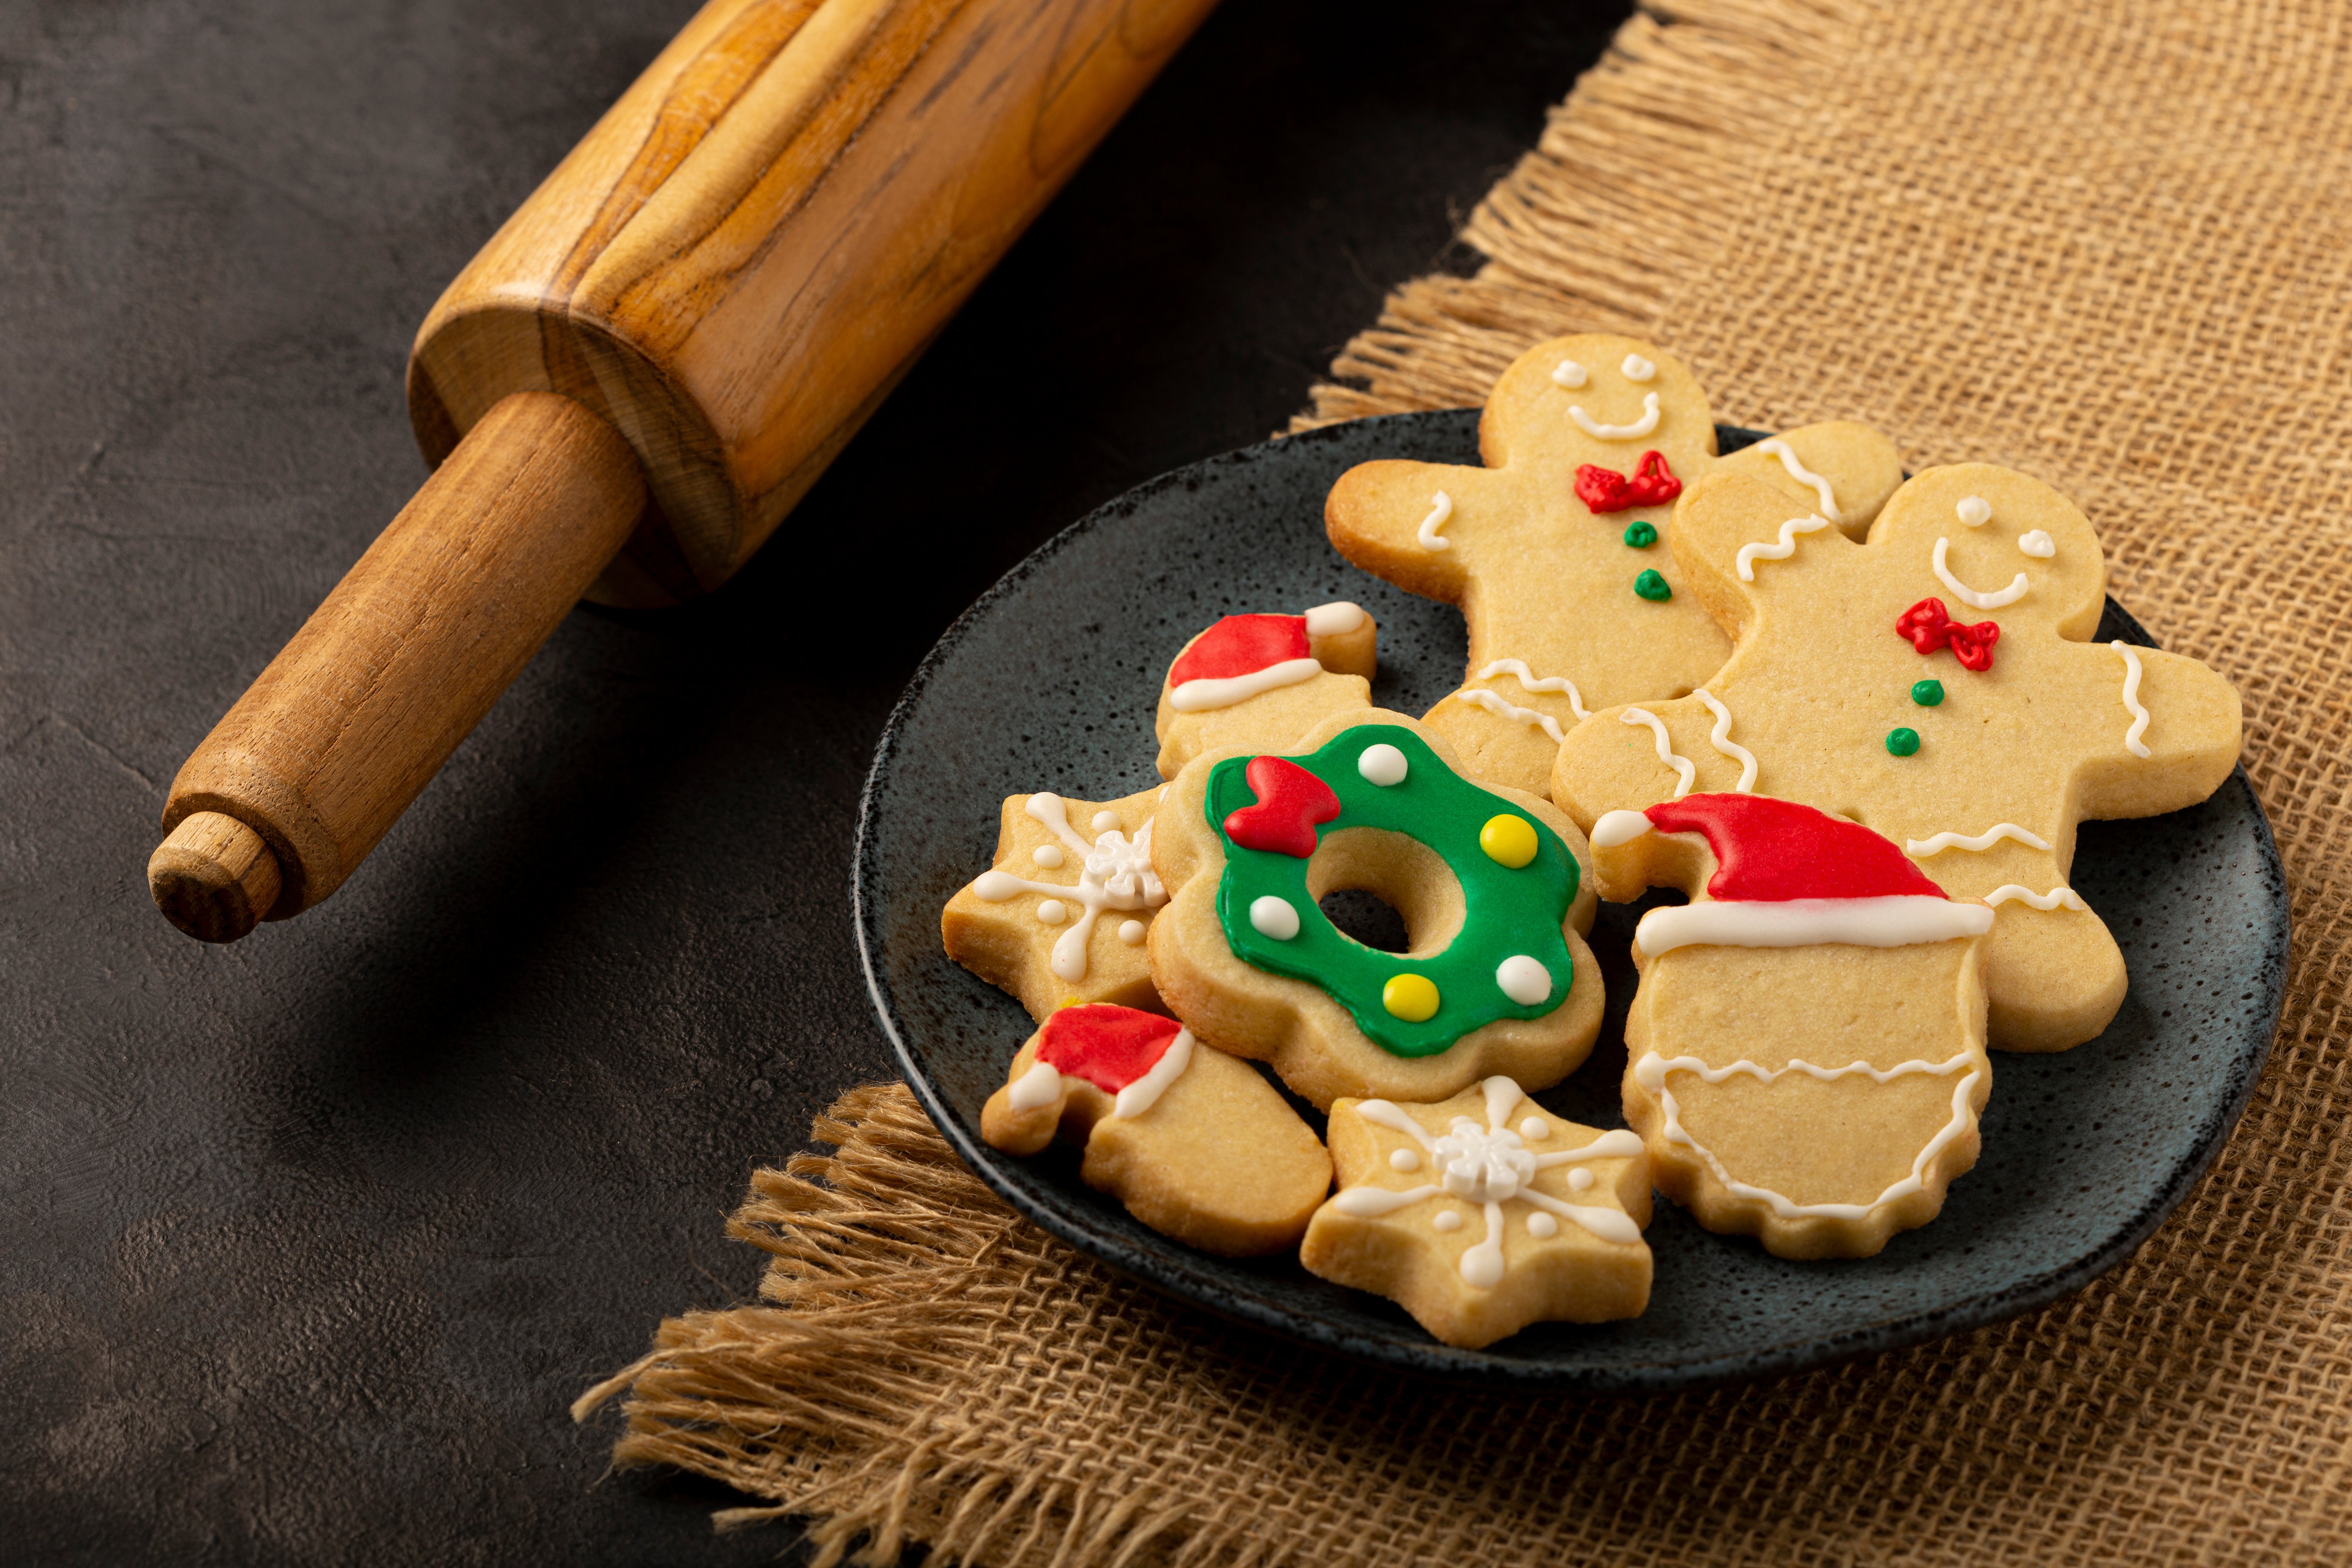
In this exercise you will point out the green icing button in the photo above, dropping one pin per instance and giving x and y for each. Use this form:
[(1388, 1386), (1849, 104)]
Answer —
[(1902, 742), (1926, 693), (1650, 585), (1641, 535), (1508, 912)]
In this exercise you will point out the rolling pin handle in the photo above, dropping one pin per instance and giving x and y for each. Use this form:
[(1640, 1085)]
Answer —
[(214, 877)]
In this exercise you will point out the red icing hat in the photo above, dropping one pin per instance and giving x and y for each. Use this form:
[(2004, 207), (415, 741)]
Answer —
[(1110, 1047), (1769, 849), (1240, 645)]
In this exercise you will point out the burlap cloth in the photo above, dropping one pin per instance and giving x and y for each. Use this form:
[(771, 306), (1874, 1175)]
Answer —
[(2108, 243)]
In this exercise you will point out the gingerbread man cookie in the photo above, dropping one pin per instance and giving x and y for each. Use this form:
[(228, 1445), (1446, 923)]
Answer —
[(1490, 884), (1196, 1144), (1858, 684), (1806, 1051), (1062, 915), (1259, 682), (1554, 549), (1482, 1214)]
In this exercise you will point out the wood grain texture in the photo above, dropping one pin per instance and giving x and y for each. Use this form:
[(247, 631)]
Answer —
[(361, 709), (212, 878), (739, 260)]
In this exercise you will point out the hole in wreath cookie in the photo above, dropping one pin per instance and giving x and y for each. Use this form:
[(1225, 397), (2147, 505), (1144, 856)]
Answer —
[(1399, 872), (1366, 917)]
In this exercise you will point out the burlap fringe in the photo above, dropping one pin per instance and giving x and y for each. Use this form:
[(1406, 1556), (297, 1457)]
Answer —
[(1624, 193)]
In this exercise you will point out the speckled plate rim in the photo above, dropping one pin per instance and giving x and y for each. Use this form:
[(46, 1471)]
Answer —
[(1212, 1285)]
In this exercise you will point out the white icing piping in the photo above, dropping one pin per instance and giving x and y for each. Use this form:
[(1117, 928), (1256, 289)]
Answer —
[(2049, 900), (1569, 373), (1923, 848), (1479, 697), (1489, 1168), (2037, 543), (1115, 874), (1331, 620), (1897, 919), (1198, 696), (1144, 1092), (1528, 681), (1720, 739), (1749, 553), (1033, 1090), (1969, 596), (1651, 1071), (1617, 827), (1441, 508), (1633, 367), (1803, 476), (2131, 741), (1974, 510), (1684, 769), (1641, 426)]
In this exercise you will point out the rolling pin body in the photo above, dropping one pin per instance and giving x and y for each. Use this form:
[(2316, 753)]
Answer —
[(641, 374)]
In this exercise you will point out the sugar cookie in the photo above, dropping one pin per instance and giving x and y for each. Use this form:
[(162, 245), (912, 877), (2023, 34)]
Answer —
[(1552, 547), (1490, 884), (1937, 685), (1063, 914), (1197, 1145), (1806, 1050), (1259, 682), (1485, 1212)]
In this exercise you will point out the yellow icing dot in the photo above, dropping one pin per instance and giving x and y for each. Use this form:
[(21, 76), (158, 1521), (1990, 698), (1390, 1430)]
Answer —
[(1510, 840), (1413, 998)]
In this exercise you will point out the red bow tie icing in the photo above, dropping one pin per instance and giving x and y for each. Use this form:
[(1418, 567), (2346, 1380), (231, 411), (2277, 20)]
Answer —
[(1653, 484), (1290, 801), (1930, 627)]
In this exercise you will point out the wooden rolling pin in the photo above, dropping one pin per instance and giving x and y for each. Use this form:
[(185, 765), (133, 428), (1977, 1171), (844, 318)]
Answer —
[(642, 373)]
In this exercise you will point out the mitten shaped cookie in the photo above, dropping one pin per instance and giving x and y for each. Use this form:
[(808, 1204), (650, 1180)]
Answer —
[(1061, 917), (1554, 549), (1806, 1051), (1259, 682), (1490, 884), (1196, 1144), (1859, 684), (1482, 1214)]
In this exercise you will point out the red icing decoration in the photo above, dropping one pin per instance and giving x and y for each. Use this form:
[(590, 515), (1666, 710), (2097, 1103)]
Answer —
[(1771, 850), (1930, 627), (1108, 1046), (1240, 644), (1290, 801), (1653, 484)]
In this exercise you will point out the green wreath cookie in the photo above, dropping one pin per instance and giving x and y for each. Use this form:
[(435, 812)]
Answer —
[(1495, 977)]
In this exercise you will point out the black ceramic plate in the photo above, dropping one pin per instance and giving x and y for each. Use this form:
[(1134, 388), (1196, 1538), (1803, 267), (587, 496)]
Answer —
[(1049, 682)]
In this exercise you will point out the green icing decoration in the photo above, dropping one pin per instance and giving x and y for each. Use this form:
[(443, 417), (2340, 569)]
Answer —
[(1926, 693), (1641, 536), (1506, 912), (1902, 742), (1650, 585)]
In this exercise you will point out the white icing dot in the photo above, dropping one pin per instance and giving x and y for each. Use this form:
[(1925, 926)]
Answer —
[(1542, 1226), (1974, 510), (1270, 916), (2038, 544), (1053, 912), (1535, 1129), (1579, 1180), (1332, 620), (1047, 855), (1405, 1160), (1524, 980), (1383, 764), (1131, 932), (1568, 372), (1636, 368), (1105, 821), (1447, 1219)]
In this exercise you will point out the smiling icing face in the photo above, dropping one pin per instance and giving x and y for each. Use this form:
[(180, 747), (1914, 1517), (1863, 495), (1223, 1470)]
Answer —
[(1606, 400)]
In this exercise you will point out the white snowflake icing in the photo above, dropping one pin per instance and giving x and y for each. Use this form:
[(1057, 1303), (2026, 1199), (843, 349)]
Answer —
[(1115, 873)]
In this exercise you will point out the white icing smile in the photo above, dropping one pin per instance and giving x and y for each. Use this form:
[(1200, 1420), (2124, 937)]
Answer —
[(1971, 596), (1633, 432)]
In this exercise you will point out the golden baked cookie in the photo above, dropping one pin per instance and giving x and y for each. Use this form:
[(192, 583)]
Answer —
[(1259, 682), (1556, 549)]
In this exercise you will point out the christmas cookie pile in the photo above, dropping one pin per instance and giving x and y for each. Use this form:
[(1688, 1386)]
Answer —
[(1853, 718)]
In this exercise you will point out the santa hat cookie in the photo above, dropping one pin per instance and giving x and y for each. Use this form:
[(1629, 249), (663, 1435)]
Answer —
[(1260, 681), (1806, 1050), (1196, 1144)]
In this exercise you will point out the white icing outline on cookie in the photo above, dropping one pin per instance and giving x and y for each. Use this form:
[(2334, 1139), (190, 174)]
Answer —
[(2131, 741), (1779, 448), (1812, 522), (1685, 771), (1923, 848), (2053, 899), (1720, 739), (1441, 511)]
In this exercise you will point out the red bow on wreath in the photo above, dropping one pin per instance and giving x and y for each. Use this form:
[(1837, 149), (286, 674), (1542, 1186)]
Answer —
[(1653, 484), (1930, 627)]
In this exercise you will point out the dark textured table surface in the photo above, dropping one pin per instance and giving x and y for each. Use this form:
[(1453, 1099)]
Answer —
[(307, 1243)]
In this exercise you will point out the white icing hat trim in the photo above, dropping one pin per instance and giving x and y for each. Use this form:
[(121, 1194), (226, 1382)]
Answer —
[(1200, 696), (1898, 920), (1617, 827), (1144, 1092), (1331, 620)]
